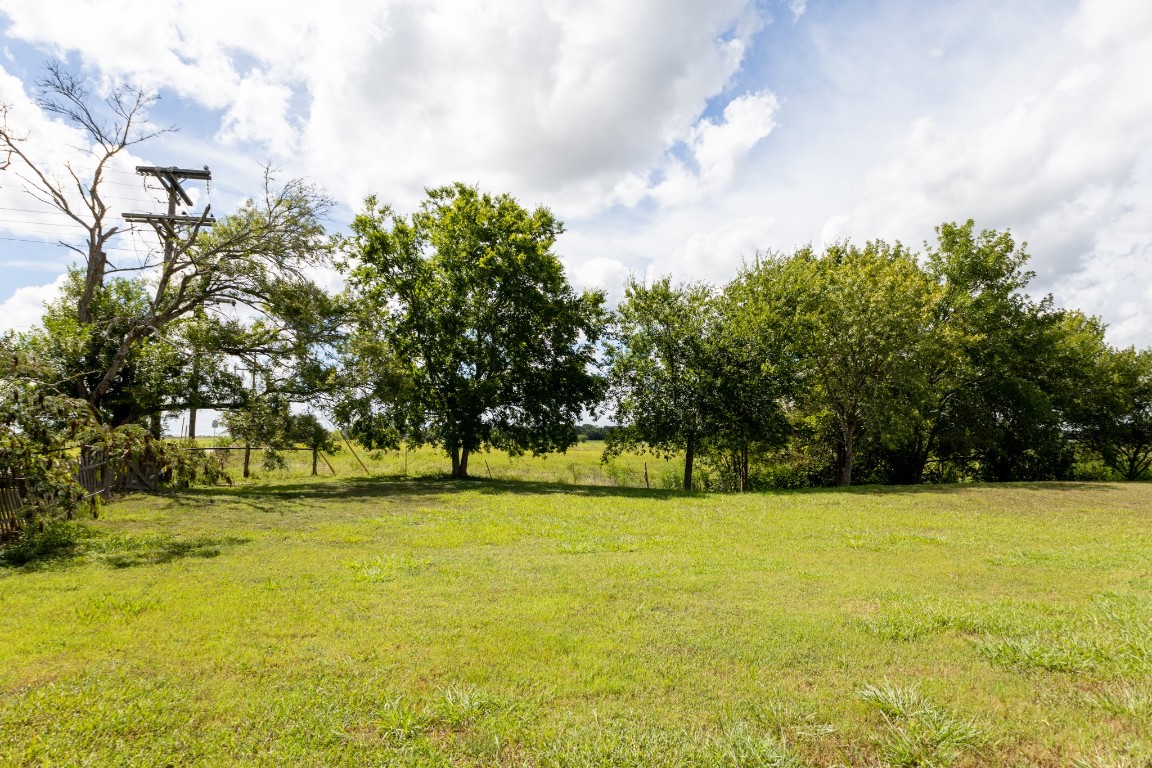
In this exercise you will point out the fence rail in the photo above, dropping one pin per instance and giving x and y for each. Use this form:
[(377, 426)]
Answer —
[(12, 492)]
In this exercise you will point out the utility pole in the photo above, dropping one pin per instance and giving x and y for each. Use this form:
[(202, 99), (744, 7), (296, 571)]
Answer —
[(168, 227)]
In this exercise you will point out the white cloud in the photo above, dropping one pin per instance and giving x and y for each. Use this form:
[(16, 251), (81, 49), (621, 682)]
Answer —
[(717, 255), (1054, 149), (628, 119), (718, 148), (568, 101), (24, 308)]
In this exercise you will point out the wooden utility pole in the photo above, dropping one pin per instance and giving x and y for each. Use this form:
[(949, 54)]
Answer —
[(168, 227)]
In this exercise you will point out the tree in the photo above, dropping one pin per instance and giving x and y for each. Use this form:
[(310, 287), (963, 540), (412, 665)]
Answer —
[(112, 126), (690, 372), (306, 428), (249, 258), (854, 333), (661, 371), (754, 377), (998, 406), (1115, 417), (265, 421), (467, 319)]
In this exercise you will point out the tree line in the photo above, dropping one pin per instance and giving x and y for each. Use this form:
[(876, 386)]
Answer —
[(876, 364), (457, 327)]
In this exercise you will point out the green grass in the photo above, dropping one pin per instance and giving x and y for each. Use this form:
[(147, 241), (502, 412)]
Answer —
[(391, 621)]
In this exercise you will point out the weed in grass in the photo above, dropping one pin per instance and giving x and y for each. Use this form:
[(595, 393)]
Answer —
[(399, 721), (741, 747), (919, 734), (387, 567), (1139, 757), (1018, 558), (907, 620), (634, 746), (1113, 639), (1123, 698), (893, 701), (460, 706), (787, 720), (112, 606), (886, 541), (600, 544), (1036, 652)]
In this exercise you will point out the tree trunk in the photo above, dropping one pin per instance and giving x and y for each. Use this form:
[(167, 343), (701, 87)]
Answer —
[(845, 457), (192, 423), (743, 469), (247, 456), (459, 462), (689, 456), (315, 452)]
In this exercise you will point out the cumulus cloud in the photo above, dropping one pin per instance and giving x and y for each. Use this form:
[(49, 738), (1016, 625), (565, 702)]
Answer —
[(717, 148), (571, 101), (24, 308), (1059, 153), (716, 255)]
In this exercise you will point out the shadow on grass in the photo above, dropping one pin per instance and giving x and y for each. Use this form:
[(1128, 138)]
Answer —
[(65, 544), (265, 496), (131, 551), (403, 487)]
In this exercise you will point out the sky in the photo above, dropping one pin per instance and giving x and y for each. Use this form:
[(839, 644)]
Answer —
[(671, 136)]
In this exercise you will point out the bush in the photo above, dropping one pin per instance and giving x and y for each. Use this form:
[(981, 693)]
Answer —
[(50, 540)]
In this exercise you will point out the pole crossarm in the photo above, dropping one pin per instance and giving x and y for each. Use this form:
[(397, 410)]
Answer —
[(166, 225), (171, 177)]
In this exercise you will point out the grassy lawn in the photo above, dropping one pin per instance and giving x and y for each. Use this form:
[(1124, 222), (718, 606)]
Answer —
[(417, 621)]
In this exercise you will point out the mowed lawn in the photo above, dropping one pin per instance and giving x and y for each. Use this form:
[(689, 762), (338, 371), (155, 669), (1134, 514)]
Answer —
[(377, 621)]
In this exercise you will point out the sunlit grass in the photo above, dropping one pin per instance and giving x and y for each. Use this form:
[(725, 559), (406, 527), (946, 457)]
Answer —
[(540, 622)]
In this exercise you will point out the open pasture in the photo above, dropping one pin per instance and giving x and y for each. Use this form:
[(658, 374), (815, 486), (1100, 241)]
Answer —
[(423, 622)]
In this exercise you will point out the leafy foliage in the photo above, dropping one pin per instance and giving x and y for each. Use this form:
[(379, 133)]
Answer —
[(466, 332)]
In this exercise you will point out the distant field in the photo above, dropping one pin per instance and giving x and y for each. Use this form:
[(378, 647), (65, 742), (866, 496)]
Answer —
[(580, 465), (421, 622)]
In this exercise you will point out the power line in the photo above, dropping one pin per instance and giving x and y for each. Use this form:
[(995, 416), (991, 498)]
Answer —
[(57, 243)]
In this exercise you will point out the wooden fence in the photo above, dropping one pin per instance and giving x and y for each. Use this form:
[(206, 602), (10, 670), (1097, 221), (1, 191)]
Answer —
[(12, 492), (99, 475)]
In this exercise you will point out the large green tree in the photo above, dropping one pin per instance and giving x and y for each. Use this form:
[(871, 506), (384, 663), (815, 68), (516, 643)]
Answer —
[(855, 335), (467, 334), (692, 373), (1002, 395), (661, 370)]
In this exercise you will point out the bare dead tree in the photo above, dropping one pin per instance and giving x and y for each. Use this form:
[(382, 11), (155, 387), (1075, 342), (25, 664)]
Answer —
[(112, 125)]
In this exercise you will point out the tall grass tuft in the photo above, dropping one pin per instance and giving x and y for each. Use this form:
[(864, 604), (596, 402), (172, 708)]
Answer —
[(919, 734)]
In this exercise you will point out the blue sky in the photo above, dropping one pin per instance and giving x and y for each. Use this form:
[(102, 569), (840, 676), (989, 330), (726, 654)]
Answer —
[(672, 137)]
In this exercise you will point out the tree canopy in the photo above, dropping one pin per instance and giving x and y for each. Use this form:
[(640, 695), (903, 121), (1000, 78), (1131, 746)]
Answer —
[(466, 333)]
